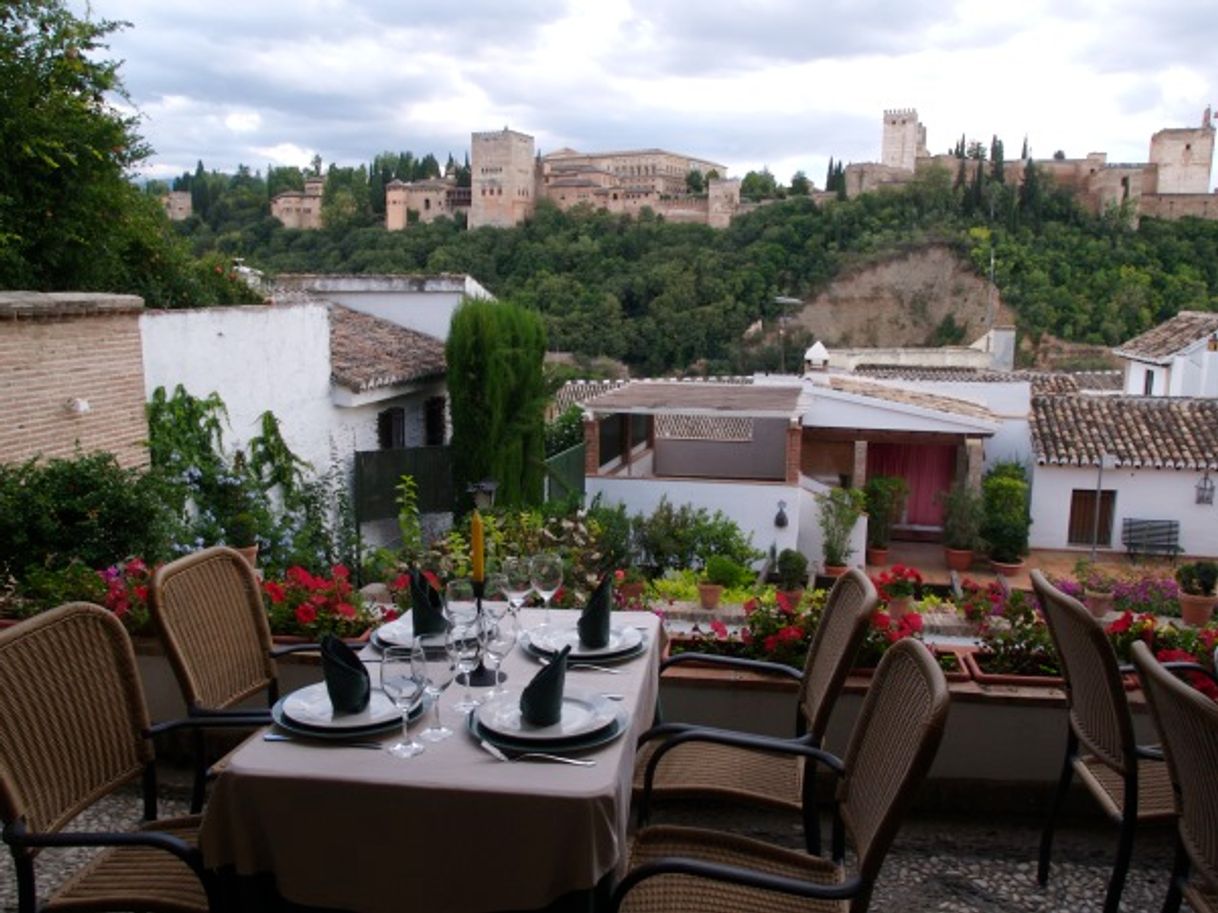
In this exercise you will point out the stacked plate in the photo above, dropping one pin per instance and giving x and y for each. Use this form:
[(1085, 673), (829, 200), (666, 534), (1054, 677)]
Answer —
[(588, 720), (308, 712), (397, 633), (624, 643)]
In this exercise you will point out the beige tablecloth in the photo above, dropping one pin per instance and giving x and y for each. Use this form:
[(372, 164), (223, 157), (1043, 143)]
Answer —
[(452, 829)]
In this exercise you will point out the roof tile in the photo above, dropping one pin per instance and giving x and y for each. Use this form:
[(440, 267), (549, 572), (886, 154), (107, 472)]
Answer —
[(367, 352)]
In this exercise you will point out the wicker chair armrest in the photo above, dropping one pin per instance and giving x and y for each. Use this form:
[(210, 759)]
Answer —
[(16, 834), (677, 865), (218, 719), (663, 730), (738, 662), (1178, 666)]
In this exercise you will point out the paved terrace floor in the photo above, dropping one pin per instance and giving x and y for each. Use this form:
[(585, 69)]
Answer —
[(944, 861)]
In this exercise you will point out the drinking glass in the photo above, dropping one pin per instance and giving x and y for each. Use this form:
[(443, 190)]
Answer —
[(433, 662), (500, 638), (466, 645), (459, 603), (519, 584), (401, 684), (545, 572)]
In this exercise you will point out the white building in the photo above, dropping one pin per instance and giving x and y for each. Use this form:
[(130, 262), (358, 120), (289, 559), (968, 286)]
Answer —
[(1176, 358)]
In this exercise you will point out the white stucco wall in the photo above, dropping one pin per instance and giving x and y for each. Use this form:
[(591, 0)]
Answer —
[(1147, 494), (256, 358)]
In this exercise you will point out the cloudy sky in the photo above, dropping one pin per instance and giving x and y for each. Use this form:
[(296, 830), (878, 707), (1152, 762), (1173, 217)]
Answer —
[(780, 83)]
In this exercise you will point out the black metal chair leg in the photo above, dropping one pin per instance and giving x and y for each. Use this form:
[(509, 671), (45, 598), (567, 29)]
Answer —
[(1179, 872), (811, 810), (1063, 786), (199, 790), (27, 887), (1129, 824)]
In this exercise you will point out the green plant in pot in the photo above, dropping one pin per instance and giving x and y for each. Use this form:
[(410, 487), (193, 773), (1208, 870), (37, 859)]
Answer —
[(840, 509), (1005, 528), (719, 573), (885, 498), (1197, 580), (792, 569), (961, 525), (241, 533)]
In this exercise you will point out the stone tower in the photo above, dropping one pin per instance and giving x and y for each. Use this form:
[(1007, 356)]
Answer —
[(904, 139), (723, 199), (503, 183), (1183, 157)]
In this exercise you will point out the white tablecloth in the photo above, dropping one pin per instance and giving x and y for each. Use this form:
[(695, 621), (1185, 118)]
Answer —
[(452, 829)]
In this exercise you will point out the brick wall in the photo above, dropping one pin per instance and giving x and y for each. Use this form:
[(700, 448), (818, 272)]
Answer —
[(71, 347)]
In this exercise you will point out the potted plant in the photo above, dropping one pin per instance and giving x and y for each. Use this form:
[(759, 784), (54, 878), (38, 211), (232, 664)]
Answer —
[(1005, 527), (897, 588), (242, 534), (629, 582), (719, 573), (840, 509), (792, 569), (1197, 580), (885, 498), (961, 525), (1098, 588)]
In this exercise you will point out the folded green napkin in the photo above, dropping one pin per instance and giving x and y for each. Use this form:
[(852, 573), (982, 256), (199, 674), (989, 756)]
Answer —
[(541, 700), (426, 606), (593, 621), (346, 678)]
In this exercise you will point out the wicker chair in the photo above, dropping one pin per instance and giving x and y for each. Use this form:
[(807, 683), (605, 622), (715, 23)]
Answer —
[(208, 610), (701, 768), (73, 728), (1188, 724), (890, 750), (1129, 781)]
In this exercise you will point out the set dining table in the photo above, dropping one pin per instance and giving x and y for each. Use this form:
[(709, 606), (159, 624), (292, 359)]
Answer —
[(451, 830)]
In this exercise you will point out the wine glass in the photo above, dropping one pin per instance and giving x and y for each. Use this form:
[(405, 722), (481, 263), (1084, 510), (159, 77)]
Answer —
[(545, 573), (433, 662), (499, 638), (519, 584), (465, 643), (460, 606), (402, 685)]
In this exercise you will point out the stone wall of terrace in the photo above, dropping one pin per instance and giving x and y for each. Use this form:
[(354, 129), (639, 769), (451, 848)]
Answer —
[(73, 376)]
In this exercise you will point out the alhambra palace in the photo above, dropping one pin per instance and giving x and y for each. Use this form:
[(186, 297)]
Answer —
[(508, 177)]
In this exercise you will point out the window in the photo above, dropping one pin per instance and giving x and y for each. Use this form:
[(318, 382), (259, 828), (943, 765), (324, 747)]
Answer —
[(1082, 517), (391, 429), (1148, 383), (433, 421)]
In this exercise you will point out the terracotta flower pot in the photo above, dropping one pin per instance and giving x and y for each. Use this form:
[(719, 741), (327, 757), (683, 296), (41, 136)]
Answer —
[(793, 596), (834, 570), (958, 559), (1099, 602), (899, 605), (631, 590), (1005, 569), (877, 556), (1196, 610), (250, 554), (709, 595)]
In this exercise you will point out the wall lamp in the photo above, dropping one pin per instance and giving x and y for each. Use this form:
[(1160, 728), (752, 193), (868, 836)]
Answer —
[(484, 493), (780, 518)]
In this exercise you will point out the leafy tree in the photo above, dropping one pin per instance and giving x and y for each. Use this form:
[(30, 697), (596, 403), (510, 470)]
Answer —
[(759, 185), (800, 185), (498, 393), (693, 181)]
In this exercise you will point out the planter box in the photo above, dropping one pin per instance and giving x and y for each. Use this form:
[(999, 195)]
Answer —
[(983, 677)]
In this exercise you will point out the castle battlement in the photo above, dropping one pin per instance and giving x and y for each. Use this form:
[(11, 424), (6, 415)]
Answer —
[(900, 112)]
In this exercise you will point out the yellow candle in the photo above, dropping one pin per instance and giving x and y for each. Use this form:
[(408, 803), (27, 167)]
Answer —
[(479, 549)]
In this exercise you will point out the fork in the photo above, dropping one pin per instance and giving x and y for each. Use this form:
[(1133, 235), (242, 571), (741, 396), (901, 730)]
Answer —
[(577, 665), (495, 751)]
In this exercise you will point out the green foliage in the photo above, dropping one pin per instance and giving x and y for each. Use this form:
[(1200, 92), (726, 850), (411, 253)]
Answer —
[(410, 528), (271, 461), (616, 534), (685, 536), (1006, 516), (497, 394), (962, 513), (1021, 645), (86, 509), (565, 432), (722, 571), (885, 499), (792, 569), (840, 509), (694, 182), (43, 588), (1198, 578)]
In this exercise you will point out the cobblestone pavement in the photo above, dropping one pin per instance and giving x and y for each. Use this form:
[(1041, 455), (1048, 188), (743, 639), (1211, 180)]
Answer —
[(945, 864)]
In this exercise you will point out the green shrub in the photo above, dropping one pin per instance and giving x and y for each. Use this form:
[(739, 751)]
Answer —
[(723, 571), (565, 432), (44, 588), (1198, 578), (840, 509), (961, 517), (885, 496), (792, 569), (1006, 523), (679, 537)]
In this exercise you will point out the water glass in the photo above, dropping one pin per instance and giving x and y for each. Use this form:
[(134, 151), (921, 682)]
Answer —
[(466, 647), (545, 572), (519, 576), (500, 638), (460, 606), (402, 685), (434, 662)]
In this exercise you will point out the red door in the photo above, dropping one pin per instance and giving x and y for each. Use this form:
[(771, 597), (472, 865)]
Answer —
[(928, 469)]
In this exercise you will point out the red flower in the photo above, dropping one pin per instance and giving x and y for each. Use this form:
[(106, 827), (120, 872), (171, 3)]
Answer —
[(400, 582), (340, 572), (1122, 624), (880, 620), (306, 614), (784, 603), (770, 643), (1201, 682), (719, 628), (389, 615), (432, 579), (345, 609), (750, 606), (274, 591), (619, 575)]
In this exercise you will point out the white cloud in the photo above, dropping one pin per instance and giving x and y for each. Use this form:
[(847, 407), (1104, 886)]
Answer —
[(243, 121)]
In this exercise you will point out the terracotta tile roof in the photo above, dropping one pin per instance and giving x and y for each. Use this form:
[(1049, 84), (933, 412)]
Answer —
[(912, 398), (1165, 340), (1041, 381), (1096, 381), (367, 352), (1139, 431), (757, 400)]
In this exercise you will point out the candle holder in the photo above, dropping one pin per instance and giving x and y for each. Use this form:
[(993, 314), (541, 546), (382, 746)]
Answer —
[(481, 676)]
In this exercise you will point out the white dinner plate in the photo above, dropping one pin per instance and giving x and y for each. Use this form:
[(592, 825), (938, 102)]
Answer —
[(310, 706), (551, 640), (396, 633), (583, 714)]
